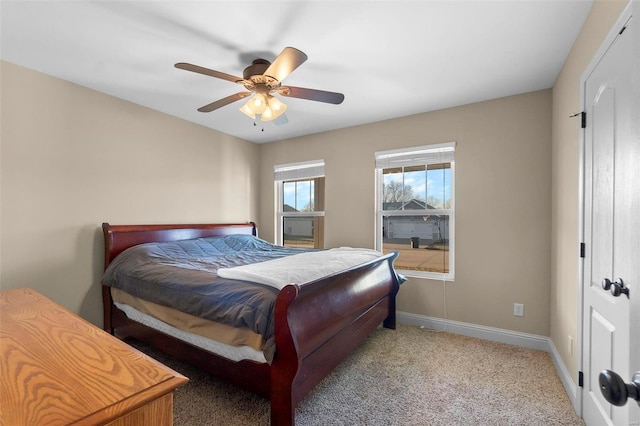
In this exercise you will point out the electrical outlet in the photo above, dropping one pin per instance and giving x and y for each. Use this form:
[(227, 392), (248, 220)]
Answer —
[(518, 309)]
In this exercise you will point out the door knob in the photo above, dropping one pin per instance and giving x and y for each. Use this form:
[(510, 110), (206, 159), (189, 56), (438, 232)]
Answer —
[(616, 391), (618, 288)]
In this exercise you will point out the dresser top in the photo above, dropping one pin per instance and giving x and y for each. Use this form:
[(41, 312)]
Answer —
[(57, 368)]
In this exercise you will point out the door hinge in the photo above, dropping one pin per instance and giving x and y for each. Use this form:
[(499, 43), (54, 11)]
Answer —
[(582, 249), (583, 118), (624, 27), (580, 379)]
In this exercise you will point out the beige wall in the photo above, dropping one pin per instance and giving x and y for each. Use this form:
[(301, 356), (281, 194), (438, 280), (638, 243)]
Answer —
[(503, 203), (73, 158), (565, 188)]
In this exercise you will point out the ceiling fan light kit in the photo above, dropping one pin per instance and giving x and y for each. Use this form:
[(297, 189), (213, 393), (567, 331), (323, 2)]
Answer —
[(257, 104), (275, 108), (266, 108), (263, 79)]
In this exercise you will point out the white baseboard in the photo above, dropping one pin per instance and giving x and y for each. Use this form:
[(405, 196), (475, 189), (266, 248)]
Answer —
[(500, 335), (525, 340), (570, 386)]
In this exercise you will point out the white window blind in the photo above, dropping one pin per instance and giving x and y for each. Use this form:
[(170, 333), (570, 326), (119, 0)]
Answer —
[(428, 154), (296, 171)]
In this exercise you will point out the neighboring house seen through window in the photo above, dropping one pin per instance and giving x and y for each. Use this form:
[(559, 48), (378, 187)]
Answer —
[(415, 209), (300, 204)]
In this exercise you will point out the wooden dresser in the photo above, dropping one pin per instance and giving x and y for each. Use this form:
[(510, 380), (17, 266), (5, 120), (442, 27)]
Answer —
[(58, 369)]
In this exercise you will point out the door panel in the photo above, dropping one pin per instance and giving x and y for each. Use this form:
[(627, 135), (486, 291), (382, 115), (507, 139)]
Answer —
[(611, 223), (602, 184), (603, 332)]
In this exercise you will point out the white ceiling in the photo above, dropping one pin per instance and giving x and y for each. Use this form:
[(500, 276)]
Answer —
[(389, 58)]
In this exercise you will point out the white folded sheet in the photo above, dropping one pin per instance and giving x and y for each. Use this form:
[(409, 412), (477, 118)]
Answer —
[(300, 268)]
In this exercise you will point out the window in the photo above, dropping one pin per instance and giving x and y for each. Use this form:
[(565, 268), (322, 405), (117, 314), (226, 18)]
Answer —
[(300, 204), (415, 209)]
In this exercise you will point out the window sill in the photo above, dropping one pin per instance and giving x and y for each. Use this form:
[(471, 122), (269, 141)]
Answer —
[(426, 275)]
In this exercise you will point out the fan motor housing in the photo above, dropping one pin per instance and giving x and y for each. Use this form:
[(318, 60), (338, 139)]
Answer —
[(255, 73)]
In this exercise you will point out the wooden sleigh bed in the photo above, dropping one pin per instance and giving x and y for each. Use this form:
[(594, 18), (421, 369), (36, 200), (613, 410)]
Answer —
[(317, 325)]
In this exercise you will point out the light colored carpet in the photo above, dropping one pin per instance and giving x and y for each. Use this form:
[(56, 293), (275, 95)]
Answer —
[(410, 376)]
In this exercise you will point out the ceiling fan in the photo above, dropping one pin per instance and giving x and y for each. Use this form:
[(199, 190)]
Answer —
[(263, 79)]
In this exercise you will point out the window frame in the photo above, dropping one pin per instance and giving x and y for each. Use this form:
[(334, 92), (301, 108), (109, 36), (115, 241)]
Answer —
[(422, 155), (291, 172)]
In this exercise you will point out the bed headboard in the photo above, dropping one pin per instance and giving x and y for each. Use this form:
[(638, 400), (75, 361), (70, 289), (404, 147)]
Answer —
[(118, 238)]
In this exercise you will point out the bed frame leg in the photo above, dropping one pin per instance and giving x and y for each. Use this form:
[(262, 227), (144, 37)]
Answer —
[(390, 321), (282, 410), (107, 304)]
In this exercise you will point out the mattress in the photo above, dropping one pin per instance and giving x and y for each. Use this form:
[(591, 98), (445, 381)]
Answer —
[(234, 353), (191, 324)]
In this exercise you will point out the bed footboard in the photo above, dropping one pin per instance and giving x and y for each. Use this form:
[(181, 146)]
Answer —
[(320, 323)]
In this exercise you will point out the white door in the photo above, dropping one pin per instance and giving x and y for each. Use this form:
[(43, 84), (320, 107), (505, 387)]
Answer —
[(612, 223)]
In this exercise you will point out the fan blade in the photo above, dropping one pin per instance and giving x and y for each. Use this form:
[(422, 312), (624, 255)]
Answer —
[(281, 120), (288, 60), (312, 94), (224, 101), (207, 71)]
